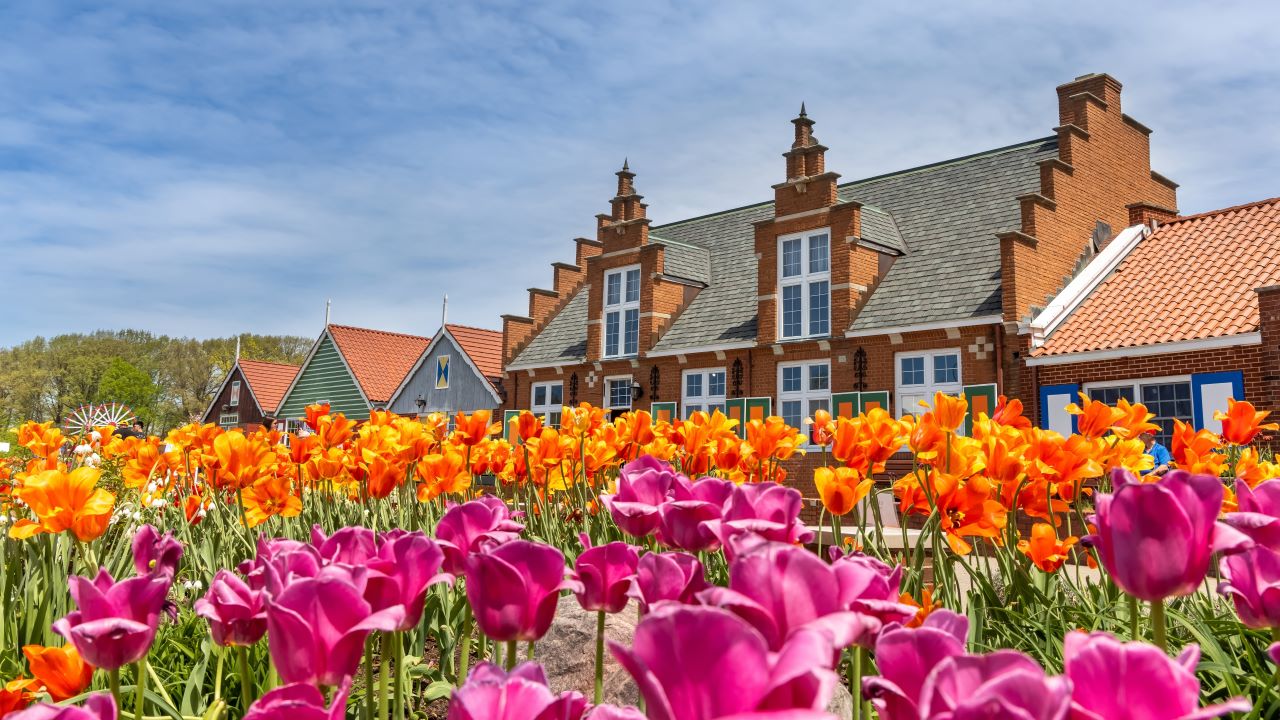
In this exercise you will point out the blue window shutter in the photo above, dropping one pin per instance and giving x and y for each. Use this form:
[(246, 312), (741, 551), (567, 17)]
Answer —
[(1053, 402), (1209, 393)]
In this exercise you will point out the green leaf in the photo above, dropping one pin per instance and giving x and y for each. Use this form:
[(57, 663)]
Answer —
[(438, 689)]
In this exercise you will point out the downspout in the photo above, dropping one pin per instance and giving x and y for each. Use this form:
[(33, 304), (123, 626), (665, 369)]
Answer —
[(1000, 389)]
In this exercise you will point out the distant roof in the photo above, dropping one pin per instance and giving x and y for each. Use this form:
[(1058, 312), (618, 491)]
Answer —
[(377, 358), (564, 339), (1193, 278), (484, 347), (268, 381)]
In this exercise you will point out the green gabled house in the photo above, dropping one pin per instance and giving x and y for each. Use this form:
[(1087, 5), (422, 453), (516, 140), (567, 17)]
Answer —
[(354, 370)]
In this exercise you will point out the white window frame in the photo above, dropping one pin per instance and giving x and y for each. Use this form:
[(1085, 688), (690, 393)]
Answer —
[(701, 402), (804, 280), (810, 400), (608, 395), (229, 420), (234, 400), (547, 409), (1136, 385), (908, 397), (620, 308)]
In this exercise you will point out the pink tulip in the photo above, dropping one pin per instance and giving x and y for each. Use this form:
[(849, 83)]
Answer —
[(1002, 684), (871, 589), (1112, 679), (299, 701), (153, 552), (604, 574), (116, 621), (613, 712), (1259, 512), (1155, 539), (1273, 652), (905, 658), (96, 707), (278, 563), (513, 589), (769, 510), (690, 522), (522, 694), (473, 526), (1252, 580), (317, 627), (674, 576), (782, 589), (643, 485), (702, 663), (406, 564), (236, 613), (352, 545)]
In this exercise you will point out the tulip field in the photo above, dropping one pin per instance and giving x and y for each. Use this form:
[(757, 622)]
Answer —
[(400, 568)]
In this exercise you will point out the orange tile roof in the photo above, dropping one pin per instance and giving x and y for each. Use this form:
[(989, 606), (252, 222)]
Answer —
[(378, 359), (484, 347), (1193, 278), (268, 382)]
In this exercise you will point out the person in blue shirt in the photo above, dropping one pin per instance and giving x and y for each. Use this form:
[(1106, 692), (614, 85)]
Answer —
[(1161, 459)]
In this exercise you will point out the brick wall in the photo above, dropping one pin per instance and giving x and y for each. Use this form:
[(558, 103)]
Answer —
[(1269, 350)]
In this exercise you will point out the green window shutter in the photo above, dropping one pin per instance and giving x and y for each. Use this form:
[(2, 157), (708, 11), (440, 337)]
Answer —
[(982, 400), (663, 411), (876, 399), (759, 408), (845, 405), (736, 409), (506, 423)]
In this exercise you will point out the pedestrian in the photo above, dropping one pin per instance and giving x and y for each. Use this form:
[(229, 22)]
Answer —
[(1160, 458)]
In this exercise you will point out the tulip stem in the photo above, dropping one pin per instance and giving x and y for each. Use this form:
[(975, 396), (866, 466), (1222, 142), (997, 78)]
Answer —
[(114, 678), (368, 679), (141, 688), (855, 682), (1157, 625), (1133, 618), (511, 654), (464, 657), (398, 654), (599, 657), (242, 667), (384, 678)]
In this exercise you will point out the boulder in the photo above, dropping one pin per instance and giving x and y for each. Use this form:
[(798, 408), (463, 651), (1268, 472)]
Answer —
[(568, 652)]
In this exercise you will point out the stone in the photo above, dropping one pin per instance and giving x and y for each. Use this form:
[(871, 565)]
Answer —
[(568, 652), (841, 704)]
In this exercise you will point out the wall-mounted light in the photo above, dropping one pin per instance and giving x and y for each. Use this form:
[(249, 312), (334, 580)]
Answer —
[(421, 402)]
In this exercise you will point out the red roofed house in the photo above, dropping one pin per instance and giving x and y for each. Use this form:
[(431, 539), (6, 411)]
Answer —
[(1179, 315), (353, 370), (460, 371), (251, 391)]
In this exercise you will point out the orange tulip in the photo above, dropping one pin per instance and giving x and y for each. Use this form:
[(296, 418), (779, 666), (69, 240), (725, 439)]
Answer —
[(382, 475), (821, 427), (61, 670), (1253, 470), (949, 410), (1044, 548), (1094, 418), (144, 461), (925, 604), (1196, 450), (773, 438), (301, 448), (65, 501), (16, 695), (526, 425), (441, 474), (314, 413), (475, 428), (1241, 423), (242, 461), (267, 498), (41, 438), (1009, 413), (841, 489), (1132, 420)]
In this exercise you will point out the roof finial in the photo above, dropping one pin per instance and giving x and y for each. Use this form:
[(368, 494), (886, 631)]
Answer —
[(327, 304), (625, 164), (802, 112)]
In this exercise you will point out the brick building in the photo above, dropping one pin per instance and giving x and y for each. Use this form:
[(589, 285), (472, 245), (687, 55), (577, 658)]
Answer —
[(1179, 317), (837, 294)]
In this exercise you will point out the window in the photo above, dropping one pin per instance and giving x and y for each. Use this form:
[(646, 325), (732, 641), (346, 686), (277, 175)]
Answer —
[(622, 312), (229, 420), (548, 402), (235, 394), (803, 388), (804, 285), (922, 374), (703, 390), (617, 393), (1169, 398)]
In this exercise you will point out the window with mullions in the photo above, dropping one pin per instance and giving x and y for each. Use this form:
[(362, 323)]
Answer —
[(804, 285), (1168, 398), (803, 388), (548, 402), (617, 393), (704, 390), (622, 312), (921, 374)]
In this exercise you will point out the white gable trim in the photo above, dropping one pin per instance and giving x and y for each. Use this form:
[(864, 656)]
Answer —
[(741, 345), (315, 347), (223, 386), (922, 327), (1083, 284), (493, 393), (1210, 343)]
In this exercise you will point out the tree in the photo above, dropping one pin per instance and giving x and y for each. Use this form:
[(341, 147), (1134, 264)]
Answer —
[(124, 383)]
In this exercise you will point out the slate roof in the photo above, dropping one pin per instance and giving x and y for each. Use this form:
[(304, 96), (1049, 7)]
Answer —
[(689, 262), (943, 218), (378, 359), (1208, 266), (268, 382), (484, 347)]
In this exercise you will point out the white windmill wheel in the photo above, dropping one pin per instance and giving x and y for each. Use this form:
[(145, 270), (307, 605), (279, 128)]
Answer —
[(85, 418)]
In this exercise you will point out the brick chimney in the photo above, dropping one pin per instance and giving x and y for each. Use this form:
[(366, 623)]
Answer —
[(808, 186), (626, 225)]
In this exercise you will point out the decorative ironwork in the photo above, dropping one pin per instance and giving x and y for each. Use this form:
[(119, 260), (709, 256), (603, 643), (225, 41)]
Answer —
[(573, 389), (654, 377), (860, 369), (737, 377)]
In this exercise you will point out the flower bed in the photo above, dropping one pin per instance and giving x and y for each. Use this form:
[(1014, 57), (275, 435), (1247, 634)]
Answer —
[(222, 574)]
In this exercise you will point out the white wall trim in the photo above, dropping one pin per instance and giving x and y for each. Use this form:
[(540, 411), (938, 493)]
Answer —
[(1083, 284), (743, 345), (922, 327), (1212, 343)]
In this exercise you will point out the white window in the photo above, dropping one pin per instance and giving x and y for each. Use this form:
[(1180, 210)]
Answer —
[(548, 402), (229, 420), (803, 388), (920, 375), (804, 285), (617, 392), (622, 312), (235, 393), (703, 390), (1168, 397)]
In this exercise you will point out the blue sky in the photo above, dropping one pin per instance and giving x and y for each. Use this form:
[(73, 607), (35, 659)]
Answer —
[(223, 166)]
